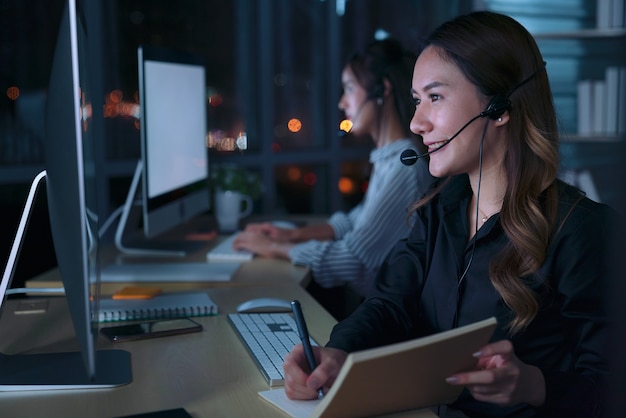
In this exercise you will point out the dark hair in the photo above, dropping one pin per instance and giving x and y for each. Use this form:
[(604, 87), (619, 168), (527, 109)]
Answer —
[(496, 54), (387, 59)]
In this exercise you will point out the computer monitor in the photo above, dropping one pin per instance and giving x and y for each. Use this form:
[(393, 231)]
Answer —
[(174, 165), (70, 174)]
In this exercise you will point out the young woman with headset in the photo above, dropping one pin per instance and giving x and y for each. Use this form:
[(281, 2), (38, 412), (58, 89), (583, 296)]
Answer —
[(499, 236), (349, 248)]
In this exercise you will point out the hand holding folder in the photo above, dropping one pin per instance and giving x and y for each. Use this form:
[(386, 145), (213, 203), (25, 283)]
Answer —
[(398, 377)]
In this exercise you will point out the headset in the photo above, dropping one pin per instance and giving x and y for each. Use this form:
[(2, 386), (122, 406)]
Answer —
[(376, 93), (496, 107)]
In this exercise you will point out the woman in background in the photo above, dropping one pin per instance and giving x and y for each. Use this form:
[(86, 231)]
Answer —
[(499, 236), (350, 247)]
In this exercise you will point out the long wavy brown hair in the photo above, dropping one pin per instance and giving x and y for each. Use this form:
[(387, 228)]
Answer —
[(496, 54)]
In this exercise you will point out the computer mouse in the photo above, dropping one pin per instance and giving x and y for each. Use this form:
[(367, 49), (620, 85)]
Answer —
[(264, 305)]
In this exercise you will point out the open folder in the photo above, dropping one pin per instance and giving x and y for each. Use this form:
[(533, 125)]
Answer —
[(398, 377)]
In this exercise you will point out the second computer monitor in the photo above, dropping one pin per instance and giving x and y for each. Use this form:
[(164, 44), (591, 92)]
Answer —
[(172, 98)]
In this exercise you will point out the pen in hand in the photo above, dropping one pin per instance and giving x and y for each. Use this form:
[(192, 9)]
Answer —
[(304, 336)]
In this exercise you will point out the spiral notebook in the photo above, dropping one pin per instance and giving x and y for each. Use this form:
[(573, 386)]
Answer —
[(165, 305)]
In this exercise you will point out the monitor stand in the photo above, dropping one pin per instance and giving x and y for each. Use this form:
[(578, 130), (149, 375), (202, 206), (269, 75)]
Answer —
[(138, 244), (64, 370), (51, 371)]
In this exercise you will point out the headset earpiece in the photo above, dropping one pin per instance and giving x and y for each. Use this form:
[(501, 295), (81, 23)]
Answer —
[(496, 107), (377, 92)]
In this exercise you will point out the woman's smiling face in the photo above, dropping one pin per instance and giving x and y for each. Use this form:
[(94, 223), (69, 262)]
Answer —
[(444, 101)]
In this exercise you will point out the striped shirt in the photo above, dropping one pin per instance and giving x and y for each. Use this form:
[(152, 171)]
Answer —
[(365, 235)]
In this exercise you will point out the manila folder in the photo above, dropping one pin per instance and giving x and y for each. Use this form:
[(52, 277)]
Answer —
[(404, 376)]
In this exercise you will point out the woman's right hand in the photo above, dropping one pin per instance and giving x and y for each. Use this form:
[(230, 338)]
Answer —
[(271, 231), (299, 384)]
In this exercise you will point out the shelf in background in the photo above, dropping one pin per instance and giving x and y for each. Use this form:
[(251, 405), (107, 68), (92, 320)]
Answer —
[(593, 33), (593, 138)]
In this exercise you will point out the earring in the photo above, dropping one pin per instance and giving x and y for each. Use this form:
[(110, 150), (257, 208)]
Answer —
[(379, 101), (499, 119)]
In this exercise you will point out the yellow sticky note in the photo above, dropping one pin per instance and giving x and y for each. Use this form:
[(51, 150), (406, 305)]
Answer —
[(136, 292)]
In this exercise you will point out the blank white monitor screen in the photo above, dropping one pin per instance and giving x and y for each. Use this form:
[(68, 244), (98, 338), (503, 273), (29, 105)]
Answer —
[(176, 156), (173, 124)]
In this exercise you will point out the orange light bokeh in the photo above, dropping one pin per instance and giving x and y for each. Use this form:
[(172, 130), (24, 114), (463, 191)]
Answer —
[(294, 125), (294, 174), (346, 185), (13, 92), (115, 96), (345, 125)]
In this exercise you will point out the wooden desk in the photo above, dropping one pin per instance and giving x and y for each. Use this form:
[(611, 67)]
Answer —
[(209, 373)]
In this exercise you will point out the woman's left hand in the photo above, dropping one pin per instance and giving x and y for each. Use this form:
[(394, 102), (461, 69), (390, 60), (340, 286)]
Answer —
[(254, 241), (501, 378), (261, 245)]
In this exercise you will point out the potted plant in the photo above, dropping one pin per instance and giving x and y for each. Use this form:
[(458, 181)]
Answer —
[(237, 179)]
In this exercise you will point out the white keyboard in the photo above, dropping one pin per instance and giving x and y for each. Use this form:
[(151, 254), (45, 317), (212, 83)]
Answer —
[(224, 252), (268, 338)]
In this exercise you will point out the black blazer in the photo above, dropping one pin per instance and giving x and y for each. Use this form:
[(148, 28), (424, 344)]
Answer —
[(418, 293)]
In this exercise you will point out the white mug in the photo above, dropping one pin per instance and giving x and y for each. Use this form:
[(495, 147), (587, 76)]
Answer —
[(229, 209)]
